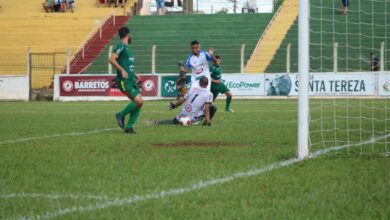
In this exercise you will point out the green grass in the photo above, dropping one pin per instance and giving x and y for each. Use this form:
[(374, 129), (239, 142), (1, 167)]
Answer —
[(346, 184), (354, 33)]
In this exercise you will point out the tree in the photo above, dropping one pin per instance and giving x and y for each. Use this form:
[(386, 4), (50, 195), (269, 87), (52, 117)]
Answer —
[(223, 11)]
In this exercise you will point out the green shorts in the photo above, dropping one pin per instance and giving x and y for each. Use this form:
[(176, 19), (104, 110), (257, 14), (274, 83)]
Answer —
[(217, 88), (130, 89)]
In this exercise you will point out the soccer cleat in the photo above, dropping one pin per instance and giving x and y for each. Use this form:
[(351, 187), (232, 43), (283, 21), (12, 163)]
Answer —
[(120, 120), (129, 131), (230, 110)]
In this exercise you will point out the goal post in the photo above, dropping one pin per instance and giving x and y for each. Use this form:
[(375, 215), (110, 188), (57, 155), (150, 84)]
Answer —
[(343, 60), (303, 79)]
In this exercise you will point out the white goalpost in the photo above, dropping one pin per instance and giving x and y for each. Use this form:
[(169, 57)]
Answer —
[(303, 79), (345, 49)]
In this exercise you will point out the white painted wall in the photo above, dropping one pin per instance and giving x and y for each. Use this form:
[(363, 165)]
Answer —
[(14, 88)]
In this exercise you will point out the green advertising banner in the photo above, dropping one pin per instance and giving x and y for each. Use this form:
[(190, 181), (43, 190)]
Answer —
[(168, 85)]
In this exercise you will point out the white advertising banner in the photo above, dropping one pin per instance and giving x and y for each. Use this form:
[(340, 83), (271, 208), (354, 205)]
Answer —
[(322, 84), (244, 84), (14, 88), (384, 84)]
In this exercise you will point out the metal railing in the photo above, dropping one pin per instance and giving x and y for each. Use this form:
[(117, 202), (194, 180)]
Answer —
[(97, 31)]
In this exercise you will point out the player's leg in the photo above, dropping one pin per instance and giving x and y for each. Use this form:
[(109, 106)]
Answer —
[(344, 7), (138, 101), (214, 90), (167, 122), (72, 6), (133, 108), (213, 110), (225, 90), (120, 116), (229, 97)]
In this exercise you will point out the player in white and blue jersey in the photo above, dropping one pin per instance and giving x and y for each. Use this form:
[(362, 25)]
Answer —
[(198, 61)]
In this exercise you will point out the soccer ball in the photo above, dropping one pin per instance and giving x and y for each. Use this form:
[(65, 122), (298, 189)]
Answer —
[(185, 121)]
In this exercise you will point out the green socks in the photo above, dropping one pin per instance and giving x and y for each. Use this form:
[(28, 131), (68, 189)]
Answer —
[(131, 109), (228, 101), (133, 118), (128, 109)]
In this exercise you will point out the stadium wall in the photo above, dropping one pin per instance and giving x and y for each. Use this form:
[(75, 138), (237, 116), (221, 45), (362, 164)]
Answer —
[(96, 87), (13, 87)]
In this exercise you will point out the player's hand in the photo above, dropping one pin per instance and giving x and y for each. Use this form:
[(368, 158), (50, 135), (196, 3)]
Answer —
[(182, 68), (211, 51), (171, 106), (125, 75)]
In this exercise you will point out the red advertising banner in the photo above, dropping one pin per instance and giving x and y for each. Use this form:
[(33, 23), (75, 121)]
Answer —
[(102, 85)]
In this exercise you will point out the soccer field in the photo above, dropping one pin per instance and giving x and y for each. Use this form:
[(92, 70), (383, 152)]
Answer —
[(70, 161)]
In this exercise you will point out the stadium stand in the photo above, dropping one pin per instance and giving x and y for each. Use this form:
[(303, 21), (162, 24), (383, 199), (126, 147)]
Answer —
[(81, 60), (273, 37), (173, 34), (352, 30), (26, 25)]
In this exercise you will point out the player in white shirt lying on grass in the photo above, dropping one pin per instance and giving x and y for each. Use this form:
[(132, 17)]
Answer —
[(198, 61), (197, 105)]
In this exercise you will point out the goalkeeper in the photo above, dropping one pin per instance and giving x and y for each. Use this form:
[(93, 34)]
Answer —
[(217, 86), (198, 105)]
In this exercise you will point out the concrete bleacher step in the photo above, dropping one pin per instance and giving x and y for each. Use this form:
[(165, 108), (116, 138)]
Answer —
[(172, 35), (273, 37)]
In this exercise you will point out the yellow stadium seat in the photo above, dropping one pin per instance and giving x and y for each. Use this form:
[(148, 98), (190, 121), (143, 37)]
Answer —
[(25, 24)]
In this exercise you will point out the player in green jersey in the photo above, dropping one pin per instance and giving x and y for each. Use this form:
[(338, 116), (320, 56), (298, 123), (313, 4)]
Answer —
[(123, 60), (217, 85)]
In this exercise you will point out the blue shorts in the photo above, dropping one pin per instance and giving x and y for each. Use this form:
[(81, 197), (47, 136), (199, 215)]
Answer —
[(160, 4), (345, 3)]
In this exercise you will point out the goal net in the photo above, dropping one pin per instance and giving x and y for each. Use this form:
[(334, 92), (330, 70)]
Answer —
[(349, 80)]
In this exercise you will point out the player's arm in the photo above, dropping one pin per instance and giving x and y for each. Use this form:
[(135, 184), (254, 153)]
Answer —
[(207, 105), (207, 114), (186, 67), (211, 57), (176, 104), (112, 61)]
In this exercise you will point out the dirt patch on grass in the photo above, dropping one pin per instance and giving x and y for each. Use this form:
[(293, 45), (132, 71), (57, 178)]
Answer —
[(200, 144)]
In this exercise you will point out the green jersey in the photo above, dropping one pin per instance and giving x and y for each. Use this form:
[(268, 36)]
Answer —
[(216, 72), (125, 60)]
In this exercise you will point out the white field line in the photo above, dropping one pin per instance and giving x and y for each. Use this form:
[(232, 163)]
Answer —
[(57, 135), (197, 186), (53, 196)]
